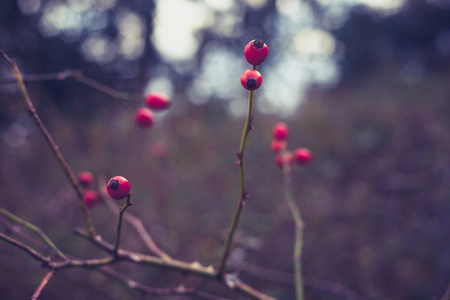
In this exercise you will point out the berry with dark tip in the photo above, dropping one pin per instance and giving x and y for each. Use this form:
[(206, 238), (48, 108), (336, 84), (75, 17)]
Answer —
[(256, 52), (118, 187), (251, 80)]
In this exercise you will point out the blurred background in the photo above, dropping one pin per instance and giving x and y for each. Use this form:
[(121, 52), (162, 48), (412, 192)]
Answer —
[(363, 83)]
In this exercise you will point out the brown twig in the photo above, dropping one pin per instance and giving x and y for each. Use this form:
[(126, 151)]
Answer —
[(43, 284), (79, 77), (43, 77), (55, 150), (187, 268), (33, 253), (146, 290), (35, 229)]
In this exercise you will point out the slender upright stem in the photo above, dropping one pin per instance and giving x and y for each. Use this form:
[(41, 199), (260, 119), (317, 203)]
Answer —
[(58, 155), (243, 195), (119, 224), (136, 222), (299, 225)]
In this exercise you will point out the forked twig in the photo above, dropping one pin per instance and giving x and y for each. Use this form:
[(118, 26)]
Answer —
[(135, 222), (35, 229), (119, 224), (79, 77), (146, 290)]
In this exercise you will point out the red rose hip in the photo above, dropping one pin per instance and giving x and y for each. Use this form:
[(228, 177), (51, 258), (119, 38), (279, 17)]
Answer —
[(302, 156), (118, 187), (90, 198), (85, 178), (280, 131), (278, 145), (157, 101), (256, 52), (143, 117), (251, 80)]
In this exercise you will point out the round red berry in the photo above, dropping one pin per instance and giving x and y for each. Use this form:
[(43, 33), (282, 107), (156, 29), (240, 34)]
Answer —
[(256, 52), (157, 101), (118, 187), (251, 80), (278, 145), (143, 117), (302, 156), (85, 178), (280, 131), (90, 197), (281, 159)]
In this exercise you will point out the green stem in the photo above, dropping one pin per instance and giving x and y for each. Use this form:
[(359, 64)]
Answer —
[(243, 195), (55, 150), (35, 229), (119, 224), (299, 225)]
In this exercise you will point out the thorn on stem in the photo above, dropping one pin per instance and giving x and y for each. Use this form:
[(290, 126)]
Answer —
[(239, 161)]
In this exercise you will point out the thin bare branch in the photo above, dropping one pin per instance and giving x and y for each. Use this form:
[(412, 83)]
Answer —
[(135, 222), (43, 284), (35, 229), (54, 148), (146, 290), (33, 253)]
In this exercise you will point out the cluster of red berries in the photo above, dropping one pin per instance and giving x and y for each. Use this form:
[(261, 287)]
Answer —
[(153, 102), (118, 188), (280, 134), (90, 196), (255, 52)]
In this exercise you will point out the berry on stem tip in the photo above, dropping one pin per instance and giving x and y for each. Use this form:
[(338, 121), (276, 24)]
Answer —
[(256, 52), (118, 187)]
